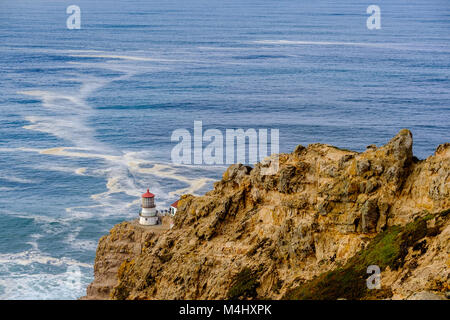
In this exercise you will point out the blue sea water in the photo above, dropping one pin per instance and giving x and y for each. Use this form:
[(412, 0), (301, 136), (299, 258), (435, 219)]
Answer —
[(86, 115)]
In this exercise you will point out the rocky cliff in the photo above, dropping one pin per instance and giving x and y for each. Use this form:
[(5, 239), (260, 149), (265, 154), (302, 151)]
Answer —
[(307, 232)]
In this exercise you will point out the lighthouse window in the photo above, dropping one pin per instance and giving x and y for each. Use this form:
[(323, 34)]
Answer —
[(148, 202)]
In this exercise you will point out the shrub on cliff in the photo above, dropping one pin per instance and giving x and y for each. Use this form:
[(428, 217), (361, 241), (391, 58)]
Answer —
[(387, 249)]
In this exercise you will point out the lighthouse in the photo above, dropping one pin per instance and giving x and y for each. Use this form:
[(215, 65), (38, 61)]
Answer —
[(148, 215)]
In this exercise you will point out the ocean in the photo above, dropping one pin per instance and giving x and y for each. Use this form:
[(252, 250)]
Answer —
[(86, 115)]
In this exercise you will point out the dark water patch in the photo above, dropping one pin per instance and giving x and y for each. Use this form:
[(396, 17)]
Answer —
[(16, 232), (24, 101), (149, 106)]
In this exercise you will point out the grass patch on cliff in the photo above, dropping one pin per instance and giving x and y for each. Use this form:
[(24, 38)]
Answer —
[(244, 285), (388, 248)]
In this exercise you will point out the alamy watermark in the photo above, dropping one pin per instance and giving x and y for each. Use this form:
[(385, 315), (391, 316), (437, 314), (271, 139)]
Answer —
[(374, 280), (374, 21), (74, 20), (232, 149)]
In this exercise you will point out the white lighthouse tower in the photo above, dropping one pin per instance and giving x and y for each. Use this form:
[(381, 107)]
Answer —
[(148, 215)]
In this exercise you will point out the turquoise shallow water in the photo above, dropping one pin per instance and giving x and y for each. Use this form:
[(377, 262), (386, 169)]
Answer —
[(86, 115)]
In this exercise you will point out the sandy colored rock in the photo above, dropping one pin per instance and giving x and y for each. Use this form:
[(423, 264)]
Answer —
[(124, 242), (424, 295), (260, 236)]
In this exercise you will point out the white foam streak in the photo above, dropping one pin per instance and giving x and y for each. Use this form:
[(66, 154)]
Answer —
[(7, 189), (32, 256), (135, 165), (168, 171), (16, 179), (37, 284)]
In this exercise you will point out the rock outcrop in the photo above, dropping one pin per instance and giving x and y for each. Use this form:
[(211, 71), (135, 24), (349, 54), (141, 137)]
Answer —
[(124, 242), (307, 232)]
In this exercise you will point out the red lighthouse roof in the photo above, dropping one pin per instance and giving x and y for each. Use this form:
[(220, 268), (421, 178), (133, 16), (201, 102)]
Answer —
[(148, 194)]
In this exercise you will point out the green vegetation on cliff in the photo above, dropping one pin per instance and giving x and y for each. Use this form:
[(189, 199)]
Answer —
[(387, 249), (244, 285)]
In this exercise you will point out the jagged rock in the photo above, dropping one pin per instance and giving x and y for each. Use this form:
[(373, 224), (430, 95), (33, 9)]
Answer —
[(370, 186), (322, 207), (401, 146), (298, 149), (362, 166), (236, 172), (286, 174), (370, 215), (378, 169), (345, 159), (270, 233)]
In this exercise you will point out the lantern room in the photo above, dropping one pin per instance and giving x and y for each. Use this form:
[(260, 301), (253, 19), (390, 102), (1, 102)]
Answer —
[(148, 200)]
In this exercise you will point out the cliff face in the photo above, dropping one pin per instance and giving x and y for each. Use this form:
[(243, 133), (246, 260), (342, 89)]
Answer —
[(308, 232), (125, 241)]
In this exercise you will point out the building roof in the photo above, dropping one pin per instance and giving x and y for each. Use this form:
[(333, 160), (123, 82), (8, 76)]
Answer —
[(175, 204), (148, 194)]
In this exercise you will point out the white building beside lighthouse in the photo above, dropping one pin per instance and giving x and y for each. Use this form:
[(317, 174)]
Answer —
[(173, 208), (148, 214)]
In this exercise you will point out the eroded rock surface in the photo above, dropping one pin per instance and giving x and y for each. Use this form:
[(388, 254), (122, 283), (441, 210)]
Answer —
[(269, 236)]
